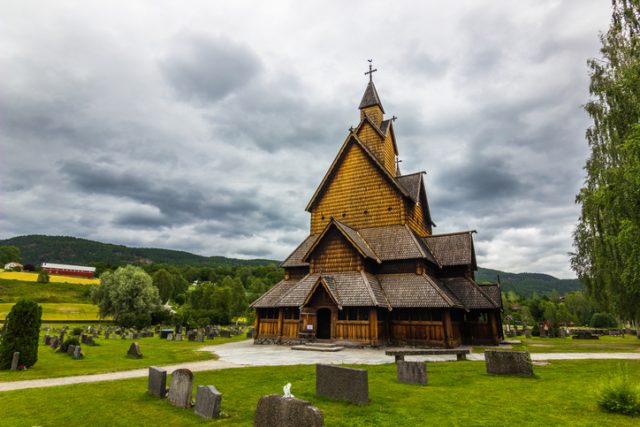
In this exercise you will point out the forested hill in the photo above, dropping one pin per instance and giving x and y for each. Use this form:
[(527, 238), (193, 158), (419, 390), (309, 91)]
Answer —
[(36, 249), (527, 283)]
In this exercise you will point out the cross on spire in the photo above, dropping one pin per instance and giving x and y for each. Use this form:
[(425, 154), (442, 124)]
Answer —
[(371, 70)]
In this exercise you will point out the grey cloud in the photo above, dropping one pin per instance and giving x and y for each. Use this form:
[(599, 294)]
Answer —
[(206, 69)]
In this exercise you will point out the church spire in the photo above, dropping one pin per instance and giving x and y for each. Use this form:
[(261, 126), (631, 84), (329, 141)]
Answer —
[(370, 97)]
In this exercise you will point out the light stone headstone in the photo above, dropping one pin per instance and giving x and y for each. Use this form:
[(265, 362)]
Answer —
[(134, 351), (70, 349), (170, 337), (508, 362), (15, 360), (77, 352), (157, 385), (180, 390), (208, 402), (178, 337)]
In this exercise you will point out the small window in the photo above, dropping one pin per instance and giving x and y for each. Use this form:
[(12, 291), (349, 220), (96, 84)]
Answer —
[(291, 313)]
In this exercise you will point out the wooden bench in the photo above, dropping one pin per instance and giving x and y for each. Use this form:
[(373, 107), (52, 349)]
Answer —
[(461, 354)]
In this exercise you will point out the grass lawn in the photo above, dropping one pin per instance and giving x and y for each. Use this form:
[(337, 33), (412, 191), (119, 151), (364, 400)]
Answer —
[(459, 393), (33, 277), (13, 290), (60, 311), (111, 355), (607, 344)]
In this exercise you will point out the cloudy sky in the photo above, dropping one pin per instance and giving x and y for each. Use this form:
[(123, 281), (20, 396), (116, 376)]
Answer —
[(206, 126)]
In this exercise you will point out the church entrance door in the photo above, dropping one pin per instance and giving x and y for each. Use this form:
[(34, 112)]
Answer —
[(324, 324)]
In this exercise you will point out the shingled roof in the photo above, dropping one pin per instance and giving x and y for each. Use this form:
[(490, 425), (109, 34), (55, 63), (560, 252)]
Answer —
[(412, 184), (452, 249), (469, 293), (370, 97), (272, 297), (295, 259), (395, 242), (350, 234), (494, 292), (412, 290)]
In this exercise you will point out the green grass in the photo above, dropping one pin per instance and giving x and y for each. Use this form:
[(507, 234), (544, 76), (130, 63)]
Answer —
[(61, 311), (459, 393), (606, 344), (13, 290), (110, 356)]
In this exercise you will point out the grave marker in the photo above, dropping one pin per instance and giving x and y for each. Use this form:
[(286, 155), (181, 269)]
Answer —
[(134, 351), (157, 385), (275, 410), (208, 402), (508, 362), (348, 384), (180, 389), (412, 372)]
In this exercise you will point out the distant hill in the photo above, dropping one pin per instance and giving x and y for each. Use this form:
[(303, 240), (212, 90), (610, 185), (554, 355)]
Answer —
[(527, 283), (71, 250)]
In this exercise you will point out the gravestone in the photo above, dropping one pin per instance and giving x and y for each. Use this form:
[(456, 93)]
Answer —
[(225, 334), (527, 333), (200, 338), (77, 352), (47, 339), (15, 360), (584, 335), (157, 385), (55, 342), (191, 335), (130, 336), (106, 335), (169, 336), (411, 372), (275, 410), (134, 351), (208, 402), (178, 337), (180, 390), (70, 349), (164, 333), (348, 384), (562, 332), (508, 362)]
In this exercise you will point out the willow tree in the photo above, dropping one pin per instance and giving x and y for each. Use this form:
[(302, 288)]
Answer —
[(607, 237)]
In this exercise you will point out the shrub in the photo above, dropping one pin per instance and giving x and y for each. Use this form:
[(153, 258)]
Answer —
[(69, 341), (22, 334), (620, 395), (77, 331), (535, 331), (603, 320), (43, 277)]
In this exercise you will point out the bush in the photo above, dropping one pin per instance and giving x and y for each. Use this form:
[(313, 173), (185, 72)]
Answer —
[(603, 320), (77, 331), (22, 334), (43, 277), (69, 341), (620, 395), (535, 331)]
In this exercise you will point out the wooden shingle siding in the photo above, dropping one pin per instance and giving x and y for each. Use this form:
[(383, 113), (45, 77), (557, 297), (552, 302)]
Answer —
[(416, 218), (373, 203), (389, 155), (335, 253)]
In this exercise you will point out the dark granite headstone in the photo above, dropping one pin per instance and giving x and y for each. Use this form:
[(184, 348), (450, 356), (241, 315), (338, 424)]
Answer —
[(157, 385), (275, 410), (412, 372), (225, 334), (208, 402), (180, 389), (70, 349), (15, 360), (348, 384), (55, 342), (584, 335), (134, 351), (508, 362), (47, 339)]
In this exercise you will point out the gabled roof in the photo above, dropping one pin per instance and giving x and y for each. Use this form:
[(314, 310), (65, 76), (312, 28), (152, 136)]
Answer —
[(493, 291), (273, 296), (385, 127), (395, 242), (295, 259), (453, 248), (352, 237), (471, 295), (370, 97), (352, 139), (412, 183)]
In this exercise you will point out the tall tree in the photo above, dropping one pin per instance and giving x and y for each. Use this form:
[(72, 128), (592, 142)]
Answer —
[(607, 237)]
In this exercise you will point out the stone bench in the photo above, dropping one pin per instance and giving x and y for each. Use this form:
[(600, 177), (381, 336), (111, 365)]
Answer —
[(461, 354)]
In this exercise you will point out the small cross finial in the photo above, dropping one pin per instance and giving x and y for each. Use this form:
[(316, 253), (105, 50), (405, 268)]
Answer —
[(394, 118), (371, 70), (398, 161)]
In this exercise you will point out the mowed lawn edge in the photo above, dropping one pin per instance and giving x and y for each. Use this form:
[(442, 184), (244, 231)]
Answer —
[(458, 393)]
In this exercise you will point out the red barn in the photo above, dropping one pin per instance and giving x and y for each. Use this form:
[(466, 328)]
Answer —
[(68, 270)]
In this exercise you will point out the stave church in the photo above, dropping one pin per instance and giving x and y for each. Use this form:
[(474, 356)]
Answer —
[(371, 272)]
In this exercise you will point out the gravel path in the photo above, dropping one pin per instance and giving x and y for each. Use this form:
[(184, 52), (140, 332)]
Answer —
[(244, 353)]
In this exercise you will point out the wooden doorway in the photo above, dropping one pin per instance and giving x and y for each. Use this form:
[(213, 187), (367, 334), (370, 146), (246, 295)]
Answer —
[(323, 331)]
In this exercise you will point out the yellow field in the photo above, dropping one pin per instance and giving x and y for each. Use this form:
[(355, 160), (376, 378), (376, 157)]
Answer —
[(33, 277), (61, 311)]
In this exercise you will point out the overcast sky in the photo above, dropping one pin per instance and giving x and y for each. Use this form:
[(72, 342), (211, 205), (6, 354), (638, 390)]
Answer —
[(206, 126)]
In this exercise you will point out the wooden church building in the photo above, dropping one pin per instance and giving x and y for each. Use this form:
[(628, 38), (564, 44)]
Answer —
[(371, 272)]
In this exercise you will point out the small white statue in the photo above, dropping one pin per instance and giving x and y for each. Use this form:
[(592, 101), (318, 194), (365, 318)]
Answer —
[(287, 391)]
